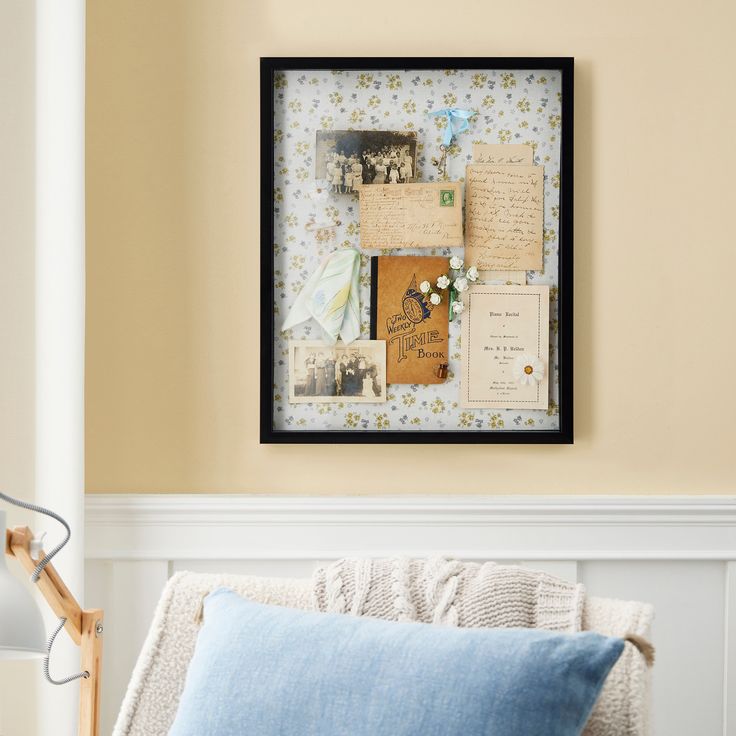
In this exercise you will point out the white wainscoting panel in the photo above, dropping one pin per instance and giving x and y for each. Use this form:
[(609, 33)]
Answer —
[(678, 553), (729, 659), (688, 597)]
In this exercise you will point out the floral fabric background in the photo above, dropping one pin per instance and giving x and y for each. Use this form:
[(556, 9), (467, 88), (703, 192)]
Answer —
[(512, 106)]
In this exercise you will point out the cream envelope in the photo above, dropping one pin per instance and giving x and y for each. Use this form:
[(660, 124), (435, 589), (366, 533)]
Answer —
[(411, 215), (504, 327)]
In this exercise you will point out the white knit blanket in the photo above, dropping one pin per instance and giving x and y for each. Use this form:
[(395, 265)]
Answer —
[(451, 592)]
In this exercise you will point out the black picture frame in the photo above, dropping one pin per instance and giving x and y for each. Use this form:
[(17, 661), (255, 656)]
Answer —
[(564, 435)]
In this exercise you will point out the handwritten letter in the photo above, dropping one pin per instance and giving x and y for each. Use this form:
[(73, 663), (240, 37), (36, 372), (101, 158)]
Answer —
[(504, 217), (411, 215)]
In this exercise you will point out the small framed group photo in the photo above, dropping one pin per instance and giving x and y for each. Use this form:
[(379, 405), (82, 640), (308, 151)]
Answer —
[(347, 159), (320, 373)]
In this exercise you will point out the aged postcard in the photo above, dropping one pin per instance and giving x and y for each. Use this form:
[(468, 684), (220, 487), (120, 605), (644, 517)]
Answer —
[(411, 216), (501, 325), (503, 153), (321, 373), (415, 330), (347, 159), (504, 217)]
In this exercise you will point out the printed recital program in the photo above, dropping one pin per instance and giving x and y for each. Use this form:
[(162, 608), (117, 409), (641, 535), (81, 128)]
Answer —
[(505, 348)]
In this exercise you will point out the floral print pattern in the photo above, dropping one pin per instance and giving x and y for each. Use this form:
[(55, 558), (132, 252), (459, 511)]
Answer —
[(512, 106)]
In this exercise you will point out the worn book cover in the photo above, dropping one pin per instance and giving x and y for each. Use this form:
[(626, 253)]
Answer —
[(415, 330)]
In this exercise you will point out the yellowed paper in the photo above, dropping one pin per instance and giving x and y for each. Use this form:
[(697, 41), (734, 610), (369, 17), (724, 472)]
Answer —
[(411, 215), (501, 324), (503, 153), (504, 217), (503, 277)]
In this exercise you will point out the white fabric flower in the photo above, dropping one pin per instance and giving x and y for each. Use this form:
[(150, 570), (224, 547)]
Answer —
[(528, 369), (461, 284), (319, 191), (458, 307), (443, 282), (472, 274), (424, 287), (456, 263), (435, 298)]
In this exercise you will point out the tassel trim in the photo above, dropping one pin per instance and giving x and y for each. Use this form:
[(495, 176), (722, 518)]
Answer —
[(646, 649), (199, 613)]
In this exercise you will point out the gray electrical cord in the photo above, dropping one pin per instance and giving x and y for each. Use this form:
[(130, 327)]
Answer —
[(40, 510), (37, 573), (64, 680)]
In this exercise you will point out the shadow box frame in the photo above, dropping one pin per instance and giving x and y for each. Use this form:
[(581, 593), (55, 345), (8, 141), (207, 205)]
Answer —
[(269, 67)]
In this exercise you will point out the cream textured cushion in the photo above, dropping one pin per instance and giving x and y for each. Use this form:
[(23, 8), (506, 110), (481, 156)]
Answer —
[(151, 702)]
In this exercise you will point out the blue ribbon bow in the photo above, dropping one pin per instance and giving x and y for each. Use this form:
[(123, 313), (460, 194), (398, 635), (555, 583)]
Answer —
[(455, 117)]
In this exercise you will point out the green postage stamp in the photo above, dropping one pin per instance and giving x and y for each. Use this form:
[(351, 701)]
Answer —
[(447, 198)]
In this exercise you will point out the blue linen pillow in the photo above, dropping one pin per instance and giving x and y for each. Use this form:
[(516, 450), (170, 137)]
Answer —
[(261, 670)]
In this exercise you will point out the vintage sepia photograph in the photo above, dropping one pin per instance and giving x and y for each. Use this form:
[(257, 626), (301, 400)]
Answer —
[(328, 373), (347, 159)]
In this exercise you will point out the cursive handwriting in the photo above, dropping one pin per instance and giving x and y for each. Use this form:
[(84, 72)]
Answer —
[(504, 217), (410, 216), (503, 153)]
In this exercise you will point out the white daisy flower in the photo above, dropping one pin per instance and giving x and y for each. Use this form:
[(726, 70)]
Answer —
[(461, 284), (456, 263), (443, 282), (528, 369), (319, 191), (472, 274), (435, 298), (458, 307), (424, 287)]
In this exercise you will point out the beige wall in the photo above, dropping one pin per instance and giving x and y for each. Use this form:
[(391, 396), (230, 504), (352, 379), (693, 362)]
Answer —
[(172, 369)]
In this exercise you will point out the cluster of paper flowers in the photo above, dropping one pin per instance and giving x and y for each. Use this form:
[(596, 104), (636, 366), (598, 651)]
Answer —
[(457, 284), (434, 297)]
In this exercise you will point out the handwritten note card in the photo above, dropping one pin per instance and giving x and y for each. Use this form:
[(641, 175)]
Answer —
[(411, 215), (502, 323), (503, 153), (504, 217)]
